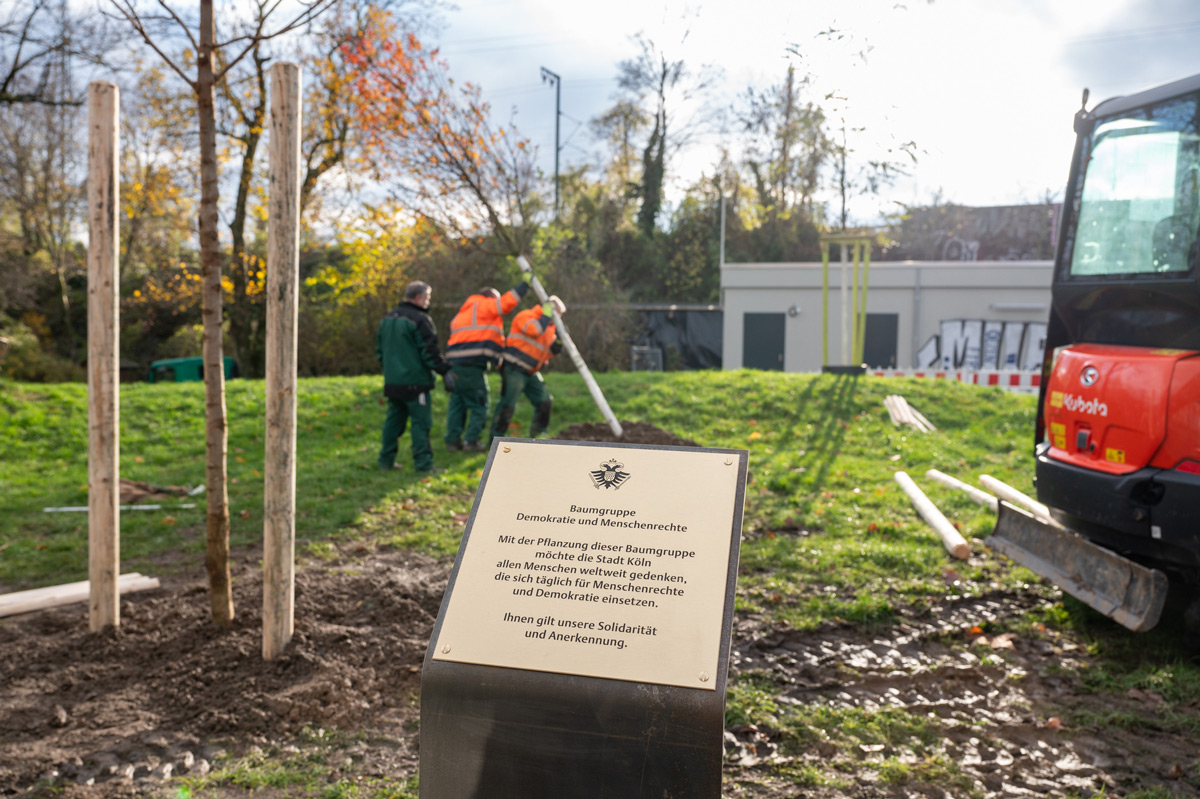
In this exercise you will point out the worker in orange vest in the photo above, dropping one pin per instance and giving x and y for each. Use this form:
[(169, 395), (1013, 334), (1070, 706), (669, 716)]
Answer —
[(476, 343), (530, 343)]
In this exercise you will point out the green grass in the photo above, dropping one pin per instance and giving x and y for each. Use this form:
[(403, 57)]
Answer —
[(819, 460), (290, 774)]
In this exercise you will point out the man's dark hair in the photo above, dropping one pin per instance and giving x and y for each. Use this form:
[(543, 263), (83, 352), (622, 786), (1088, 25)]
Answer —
[(488, 291), (416, 290)]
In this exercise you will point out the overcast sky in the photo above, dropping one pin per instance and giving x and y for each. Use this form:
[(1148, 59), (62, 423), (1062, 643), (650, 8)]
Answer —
[(986, 88)]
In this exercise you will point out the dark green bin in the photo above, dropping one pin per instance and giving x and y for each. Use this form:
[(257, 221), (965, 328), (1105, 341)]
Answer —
[(181, 370)]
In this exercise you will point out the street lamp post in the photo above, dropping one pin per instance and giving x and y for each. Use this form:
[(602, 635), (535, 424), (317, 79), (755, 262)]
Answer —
[(553, 79)]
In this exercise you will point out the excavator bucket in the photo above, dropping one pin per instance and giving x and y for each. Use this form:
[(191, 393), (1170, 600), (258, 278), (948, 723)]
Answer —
[(1127, 592)]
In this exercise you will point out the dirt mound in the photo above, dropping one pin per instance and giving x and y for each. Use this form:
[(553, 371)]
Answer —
[(167, 691), (633, 433)]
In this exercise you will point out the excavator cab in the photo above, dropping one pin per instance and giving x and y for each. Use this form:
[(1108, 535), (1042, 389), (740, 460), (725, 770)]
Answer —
[(1118, 433)]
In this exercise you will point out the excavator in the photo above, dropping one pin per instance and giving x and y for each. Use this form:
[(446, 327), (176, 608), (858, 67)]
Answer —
[(1117, 442)]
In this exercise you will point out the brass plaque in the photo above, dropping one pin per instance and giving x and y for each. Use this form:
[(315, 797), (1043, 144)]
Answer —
[(598, 560)]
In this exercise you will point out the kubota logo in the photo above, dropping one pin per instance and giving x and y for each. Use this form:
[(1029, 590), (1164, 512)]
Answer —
[(1094, 407)]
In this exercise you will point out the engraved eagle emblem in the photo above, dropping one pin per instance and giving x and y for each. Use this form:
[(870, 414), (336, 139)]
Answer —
[(611, 474)]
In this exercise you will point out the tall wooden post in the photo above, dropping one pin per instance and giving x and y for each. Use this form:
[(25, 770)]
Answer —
[(104, 541), (283, 269)]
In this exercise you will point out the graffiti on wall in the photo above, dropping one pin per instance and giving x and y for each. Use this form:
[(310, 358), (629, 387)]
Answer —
[(975, 344)]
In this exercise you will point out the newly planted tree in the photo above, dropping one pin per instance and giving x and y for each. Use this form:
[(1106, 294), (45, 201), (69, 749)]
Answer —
[(176, 37)]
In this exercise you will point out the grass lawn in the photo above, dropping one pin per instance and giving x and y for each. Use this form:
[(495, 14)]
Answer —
[(822, 454)]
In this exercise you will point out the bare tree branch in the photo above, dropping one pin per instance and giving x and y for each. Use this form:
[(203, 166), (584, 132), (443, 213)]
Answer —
[(125, 7), (303, 18)]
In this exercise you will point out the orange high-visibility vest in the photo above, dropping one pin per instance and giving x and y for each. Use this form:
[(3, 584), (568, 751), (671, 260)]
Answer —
[(477, 330), (529, 339)]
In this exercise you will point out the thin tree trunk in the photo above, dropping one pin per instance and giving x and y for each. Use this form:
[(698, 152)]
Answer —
[(216, 433)]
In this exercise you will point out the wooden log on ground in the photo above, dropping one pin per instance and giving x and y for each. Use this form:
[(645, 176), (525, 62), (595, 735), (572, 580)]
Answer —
[(1010, 494), (890, 405), (56, 595), (929, 427), (955, 544), (982, 497)]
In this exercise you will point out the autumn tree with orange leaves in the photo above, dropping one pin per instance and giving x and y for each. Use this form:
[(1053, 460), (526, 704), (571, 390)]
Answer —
[(434, 147)]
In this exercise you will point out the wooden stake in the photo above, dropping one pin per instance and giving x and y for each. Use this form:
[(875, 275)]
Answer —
[(1010, 494), (561, 331), (56, 595), (955, 544), (283, 269), (982, 497), (104, 542)]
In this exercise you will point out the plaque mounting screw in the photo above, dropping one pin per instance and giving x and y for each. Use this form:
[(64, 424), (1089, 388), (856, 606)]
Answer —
[(704, 676), (508, 449), (445, 649), (729, 461)]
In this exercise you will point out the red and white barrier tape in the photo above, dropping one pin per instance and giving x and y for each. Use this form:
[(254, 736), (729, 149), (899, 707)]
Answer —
[(1023, 382)]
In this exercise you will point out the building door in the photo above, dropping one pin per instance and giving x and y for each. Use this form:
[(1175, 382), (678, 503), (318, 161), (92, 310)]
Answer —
[(879, 341), (762, 341)]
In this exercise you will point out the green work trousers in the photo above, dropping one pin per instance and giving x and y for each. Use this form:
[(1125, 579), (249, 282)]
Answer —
[(468, 405), (399, 414), (514, 382)]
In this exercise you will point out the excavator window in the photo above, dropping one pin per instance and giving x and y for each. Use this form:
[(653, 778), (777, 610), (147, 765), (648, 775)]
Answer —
[(1139, 211)]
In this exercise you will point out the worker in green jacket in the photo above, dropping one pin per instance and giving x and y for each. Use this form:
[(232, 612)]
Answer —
[(406, 346)]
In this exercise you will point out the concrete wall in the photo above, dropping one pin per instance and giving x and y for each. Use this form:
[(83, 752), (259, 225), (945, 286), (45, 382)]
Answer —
[(922, 294)]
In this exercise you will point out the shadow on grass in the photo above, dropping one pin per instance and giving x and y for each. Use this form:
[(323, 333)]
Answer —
[(832, 396)]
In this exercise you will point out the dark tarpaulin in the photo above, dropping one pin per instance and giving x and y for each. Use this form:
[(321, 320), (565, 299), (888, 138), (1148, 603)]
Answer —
[(689, 338)]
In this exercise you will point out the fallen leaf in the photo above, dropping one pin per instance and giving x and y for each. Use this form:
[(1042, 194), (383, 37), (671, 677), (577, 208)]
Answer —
[(951, 577), (245, 514), (1176, 772), (975, 630), (752, 421), (980, 641), (169, 520), (1054, 723), (461, 518), (1003, 641), (755, 435)]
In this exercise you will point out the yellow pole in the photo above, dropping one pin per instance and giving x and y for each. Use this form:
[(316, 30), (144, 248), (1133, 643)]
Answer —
[(856, 255), (824, 303), (862, 317)]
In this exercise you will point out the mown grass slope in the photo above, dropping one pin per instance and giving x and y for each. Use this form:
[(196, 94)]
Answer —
[(821, 505)]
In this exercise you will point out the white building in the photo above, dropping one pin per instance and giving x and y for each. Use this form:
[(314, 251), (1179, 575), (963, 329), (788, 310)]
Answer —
[(976, 315)]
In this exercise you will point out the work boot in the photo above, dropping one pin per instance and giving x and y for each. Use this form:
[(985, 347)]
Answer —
[(454, 446), (472, 446)]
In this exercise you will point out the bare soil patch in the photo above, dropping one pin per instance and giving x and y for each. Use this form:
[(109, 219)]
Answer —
[(631, 433), (115, 714)]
